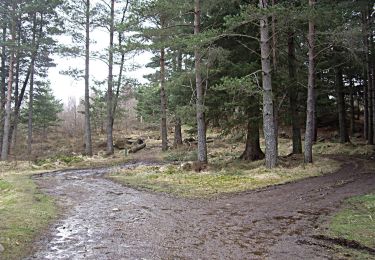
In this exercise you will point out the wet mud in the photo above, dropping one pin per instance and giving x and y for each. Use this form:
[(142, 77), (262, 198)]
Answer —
[(105, 220)]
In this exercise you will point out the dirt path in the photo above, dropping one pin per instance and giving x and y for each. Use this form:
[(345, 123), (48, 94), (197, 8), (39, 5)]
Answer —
[(108, 221)]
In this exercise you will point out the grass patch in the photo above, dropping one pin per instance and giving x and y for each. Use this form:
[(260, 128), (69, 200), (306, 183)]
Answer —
[(234, 177), (353, 148), (24, 212), (180, 154), (67, 159), (356, 221)]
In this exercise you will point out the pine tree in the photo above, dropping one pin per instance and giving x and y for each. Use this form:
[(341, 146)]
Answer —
[(268, 113), (309, 135)]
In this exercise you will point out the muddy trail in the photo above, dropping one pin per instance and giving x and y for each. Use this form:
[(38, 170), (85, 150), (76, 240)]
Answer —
[(104, 220)]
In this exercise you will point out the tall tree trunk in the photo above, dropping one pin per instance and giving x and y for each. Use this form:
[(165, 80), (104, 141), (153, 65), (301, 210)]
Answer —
[(365, 108), (359, 112), (177, 127), (2, 87), (352, 108), (373, 101), (122, 64), (88, 140), (5, 146), (253, 152), (370, 114), (163, 102), (200, 106), (275, 87), (268, 114), (3, 69), (110, 149), (341, 108), (31, 90), (13, 127), (18, 104), (370, 110), (293, 96), (315, 135), (31, 111), (177, 132), (309, 135), (31, 75), (371, 65)]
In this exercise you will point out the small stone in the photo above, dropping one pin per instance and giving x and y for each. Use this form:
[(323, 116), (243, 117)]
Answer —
[(116, 210)]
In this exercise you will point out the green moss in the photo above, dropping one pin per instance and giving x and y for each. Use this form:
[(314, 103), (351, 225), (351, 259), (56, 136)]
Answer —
[(356, 221), (24, 212)]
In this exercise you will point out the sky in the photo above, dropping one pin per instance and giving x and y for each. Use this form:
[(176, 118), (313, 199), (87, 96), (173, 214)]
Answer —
[(65, 87)]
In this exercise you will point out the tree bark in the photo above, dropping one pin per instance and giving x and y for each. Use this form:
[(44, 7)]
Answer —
[(352, 108), (122, 64), (3, 86), (268, 113), (367, 89), (163, 102), (293, 96), (370, 114), (177, 132), (178, 128), (5, 146), (341, 108), (371, 68), (110, 149), (18, 103), (309, 135), (17, 98), (88, 139), (31, 75), (365, 112), (358, 116), (370, 109), (373, 101), (201, 122), (31, 110), (253, 152), (275, 87)]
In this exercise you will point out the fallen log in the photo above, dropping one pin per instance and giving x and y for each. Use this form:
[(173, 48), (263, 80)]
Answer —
[(123, 144), (137, 148)]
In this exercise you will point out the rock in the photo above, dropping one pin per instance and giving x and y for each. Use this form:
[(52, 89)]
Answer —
[(1, 248), (116, 210)]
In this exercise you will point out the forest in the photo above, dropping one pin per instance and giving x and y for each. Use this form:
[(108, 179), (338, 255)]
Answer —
[(251, 136)]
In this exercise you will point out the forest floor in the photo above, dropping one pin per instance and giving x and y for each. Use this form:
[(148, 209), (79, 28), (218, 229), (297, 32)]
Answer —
[(102, 219)]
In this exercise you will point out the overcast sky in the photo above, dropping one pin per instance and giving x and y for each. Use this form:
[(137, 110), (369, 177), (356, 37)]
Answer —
[(65, 87)]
